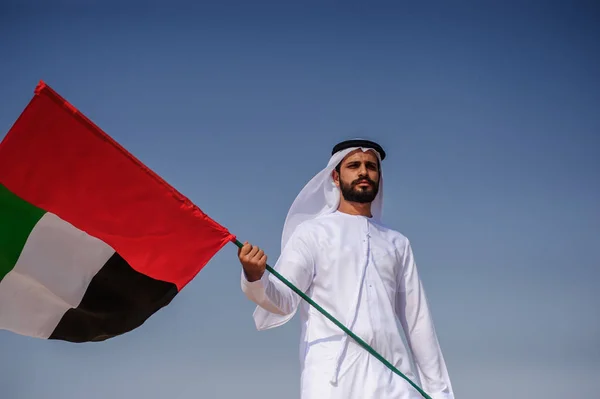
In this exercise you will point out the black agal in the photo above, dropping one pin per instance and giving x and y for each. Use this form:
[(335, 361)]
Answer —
[(359, 143)]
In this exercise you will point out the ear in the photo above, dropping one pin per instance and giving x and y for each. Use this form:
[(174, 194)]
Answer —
[(336, 177)]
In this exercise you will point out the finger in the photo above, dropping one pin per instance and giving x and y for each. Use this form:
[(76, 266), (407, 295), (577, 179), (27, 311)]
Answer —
[(263, 259), (245, 249), (254, 251)]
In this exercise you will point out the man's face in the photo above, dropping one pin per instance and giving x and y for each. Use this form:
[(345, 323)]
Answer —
[(358, 178)]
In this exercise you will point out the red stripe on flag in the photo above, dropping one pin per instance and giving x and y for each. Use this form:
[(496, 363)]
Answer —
[(60, 161)]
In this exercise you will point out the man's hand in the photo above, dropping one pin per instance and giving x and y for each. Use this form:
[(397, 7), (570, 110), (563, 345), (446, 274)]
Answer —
[(253, 260)]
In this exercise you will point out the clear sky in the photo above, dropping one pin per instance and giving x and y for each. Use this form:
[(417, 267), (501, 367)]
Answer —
[(490, 114)]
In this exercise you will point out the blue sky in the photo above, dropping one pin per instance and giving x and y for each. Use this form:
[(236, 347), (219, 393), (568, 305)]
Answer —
[(489, 114)]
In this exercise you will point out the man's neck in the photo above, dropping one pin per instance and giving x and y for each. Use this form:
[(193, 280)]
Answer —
[(355, 208)]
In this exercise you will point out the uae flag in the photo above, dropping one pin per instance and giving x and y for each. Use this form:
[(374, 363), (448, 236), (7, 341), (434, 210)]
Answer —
[(92, 242)]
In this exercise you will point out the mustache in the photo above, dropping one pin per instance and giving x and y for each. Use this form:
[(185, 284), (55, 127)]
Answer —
[(362, 180)]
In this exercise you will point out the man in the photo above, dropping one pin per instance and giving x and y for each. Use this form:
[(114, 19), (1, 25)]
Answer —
[(336, 249)]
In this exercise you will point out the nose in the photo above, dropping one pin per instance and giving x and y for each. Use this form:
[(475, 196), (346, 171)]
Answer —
[(362, 171)]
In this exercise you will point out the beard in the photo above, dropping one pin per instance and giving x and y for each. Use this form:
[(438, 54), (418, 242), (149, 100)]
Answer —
[(352, 193)]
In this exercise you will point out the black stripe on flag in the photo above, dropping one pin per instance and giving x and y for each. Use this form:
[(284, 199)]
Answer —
[(118, 300)]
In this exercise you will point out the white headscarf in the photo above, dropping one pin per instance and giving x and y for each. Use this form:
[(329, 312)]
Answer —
[(321, 196)]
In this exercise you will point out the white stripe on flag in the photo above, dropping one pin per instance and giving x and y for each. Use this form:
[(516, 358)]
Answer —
[(51, 275)]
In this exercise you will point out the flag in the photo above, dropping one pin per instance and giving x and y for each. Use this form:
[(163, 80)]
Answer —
[(92, 242)]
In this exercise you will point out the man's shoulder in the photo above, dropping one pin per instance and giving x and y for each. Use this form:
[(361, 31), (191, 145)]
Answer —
[(306, 229), (310, 226), (313, 227)]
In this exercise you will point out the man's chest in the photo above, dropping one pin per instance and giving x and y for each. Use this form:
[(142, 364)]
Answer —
[(356, 253)]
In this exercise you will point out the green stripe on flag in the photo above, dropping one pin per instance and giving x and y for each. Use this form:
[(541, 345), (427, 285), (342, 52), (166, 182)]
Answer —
[(17, 219)]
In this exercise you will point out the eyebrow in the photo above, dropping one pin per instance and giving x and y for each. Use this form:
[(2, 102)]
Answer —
[(370, 163)]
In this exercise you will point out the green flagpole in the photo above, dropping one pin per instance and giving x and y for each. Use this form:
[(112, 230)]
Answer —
[(340, 325)]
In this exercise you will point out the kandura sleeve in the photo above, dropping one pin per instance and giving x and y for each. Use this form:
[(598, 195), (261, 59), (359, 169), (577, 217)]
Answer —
[(413, 311), (296, 265)]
